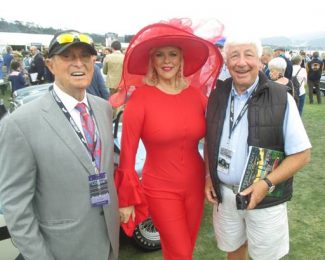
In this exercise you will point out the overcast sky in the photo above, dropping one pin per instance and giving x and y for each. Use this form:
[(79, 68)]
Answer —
[(261, 18)]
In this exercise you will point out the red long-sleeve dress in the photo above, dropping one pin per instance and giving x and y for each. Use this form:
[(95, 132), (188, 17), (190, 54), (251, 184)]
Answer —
[(172, 186)]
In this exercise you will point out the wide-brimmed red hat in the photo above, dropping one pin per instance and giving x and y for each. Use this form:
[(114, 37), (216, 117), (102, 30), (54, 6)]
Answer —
[(195, 51), (202, 60)]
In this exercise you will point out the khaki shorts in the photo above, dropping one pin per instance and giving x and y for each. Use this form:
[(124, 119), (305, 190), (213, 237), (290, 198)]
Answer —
[(265, 230)]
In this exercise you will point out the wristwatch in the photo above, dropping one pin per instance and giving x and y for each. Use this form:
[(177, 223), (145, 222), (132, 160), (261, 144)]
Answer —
[(269, 184)]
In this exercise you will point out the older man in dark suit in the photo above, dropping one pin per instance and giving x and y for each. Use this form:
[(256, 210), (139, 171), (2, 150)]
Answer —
[(37, 66)]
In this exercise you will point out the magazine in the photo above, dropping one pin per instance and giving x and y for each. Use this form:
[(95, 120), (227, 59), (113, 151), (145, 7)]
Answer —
[(259, 164)]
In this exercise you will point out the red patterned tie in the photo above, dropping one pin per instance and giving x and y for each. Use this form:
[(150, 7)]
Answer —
[(88, 127)]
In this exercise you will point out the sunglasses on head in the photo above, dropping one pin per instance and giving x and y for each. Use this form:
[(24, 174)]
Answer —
[(73, 37)]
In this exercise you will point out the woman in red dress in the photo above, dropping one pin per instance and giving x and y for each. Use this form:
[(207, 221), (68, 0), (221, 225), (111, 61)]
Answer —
[(167, 112)]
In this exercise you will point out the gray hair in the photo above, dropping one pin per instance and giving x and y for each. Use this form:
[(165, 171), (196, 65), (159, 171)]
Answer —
[(296, 60), (278, 64), (244, 39), (267, 50)]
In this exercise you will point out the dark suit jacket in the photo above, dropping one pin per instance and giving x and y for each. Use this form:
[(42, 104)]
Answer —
[(38, 65)]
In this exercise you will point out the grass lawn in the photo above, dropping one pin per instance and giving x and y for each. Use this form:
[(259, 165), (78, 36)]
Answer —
[(6, 97), (306, 210)]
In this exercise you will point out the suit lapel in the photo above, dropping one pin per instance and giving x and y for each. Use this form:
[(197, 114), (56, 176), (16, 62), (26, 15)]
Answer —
[(61, 126)]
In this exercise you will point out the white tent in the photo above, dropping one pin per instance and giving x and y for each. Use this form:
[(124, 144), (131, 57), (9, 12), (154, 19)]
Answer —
[(23, 39)]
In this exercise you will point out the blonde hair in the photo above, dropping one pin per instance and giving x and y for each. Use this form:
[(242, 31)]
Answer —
[(151, 78)]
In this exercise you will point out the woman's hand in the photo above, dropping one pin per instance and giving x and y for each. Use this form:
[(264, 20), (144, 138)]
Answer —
[(126, 213)]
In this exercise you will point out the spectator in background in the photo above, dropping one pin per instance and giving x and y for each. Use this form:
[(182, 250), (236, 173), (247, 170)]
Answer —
[(98, 61), (267, 55), (48, 76), (37, 66), (224, 72), (105, 52), (277, 68), (7, 58), (26, 60), (280, 52), (16, 76), (97, 86), (314, 73), (17, 56), (112, 67), (304, 59), (301, 74), (1, 65)]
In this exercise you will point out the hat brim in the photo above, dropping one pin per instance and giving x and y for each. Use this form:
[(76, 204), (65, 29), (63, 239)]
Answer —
[(59, 48), (194, 50)]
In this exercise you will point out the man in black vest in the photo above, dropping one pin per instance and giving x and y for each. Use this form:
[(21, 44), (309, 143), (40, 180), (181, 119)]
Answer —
[(314, 73), (250, 110)]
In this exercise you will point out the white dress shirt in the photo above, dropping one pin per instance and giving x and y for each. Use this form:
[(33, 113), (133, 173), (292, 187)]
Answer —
[(70, 104)]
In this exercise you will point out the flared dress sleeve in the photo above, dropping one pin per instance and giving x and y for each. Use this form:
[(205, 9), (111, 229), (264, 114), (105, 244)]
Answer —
[(127, 181)]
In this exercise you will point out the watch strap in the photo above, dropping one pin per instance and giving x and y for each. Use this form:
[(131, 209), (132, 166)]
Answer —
[(268, 182)]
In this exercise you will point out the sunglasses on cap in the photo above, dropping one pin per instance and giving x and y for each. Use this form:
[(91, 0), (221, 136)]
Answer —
[(69, 38), (65, 38)]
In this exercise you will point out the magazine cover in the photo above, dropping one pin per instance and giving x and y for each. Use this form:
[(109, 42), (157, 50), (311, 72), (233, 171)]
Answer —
[(260, 163)]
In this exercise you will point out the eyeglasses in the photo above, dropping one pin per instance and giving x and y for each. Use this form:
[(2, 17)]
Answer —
[(73, 37)]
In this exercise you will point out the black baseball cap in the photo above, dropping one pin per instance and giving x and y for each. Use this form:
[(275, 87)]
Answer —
[(63, 40)]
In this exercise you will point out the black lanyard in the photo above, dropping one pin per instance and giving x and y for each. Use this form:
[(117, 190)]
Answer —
[(232, 124), (76, 128)]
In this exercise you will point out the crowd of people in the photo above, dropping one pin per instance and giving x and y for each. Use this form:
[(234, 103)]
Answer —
[(28, 67), (32, 69), (25, 68), (62, 198), (307, 69)]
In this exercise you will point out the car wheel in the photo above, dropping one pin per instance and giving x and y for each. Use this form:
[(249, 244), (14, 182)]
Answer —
[(146, 236)]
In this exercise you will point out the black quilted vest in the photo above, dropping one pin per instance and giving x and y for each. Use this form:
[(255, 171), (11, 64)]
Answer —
[(266, 112)]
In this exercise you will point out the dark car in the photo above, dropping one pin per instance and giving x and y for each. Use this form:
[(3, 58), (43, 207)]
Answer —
[(322, 85), (27, 94), (3, 109), (145, 236)]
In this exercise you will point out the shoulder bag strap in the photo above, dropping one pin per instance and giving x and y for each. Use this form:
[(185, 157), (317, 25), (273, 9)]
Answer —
[(297, 74)]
